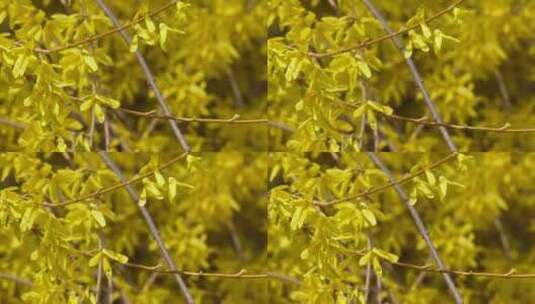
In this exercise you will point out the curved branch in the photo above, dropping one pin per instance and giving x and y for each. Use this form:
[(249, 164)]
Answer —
[(152, 227), (388, 185), (419, 225), (148, 74), (242, 274), (388, 36), (116, 186), (415, 75), (427, 122), (233, 120), (107, 33)]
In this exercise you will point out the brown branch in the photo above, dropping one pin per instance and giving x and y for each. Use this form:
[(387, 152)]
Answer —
[(149, 76), (115, 186), (388, 36), (11, 123), (424, 121), (16, 279), (107, 33), (511, 274), (153, 229), (415, 73), (242, 274), (388, 185), (427, 122), (419, 225), (233, 120)]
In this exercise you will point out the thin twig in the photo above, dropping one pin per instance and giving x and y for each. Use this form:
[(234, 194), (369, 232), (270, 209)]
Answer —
[(419, 225), (242, 274), (392, 183), (388, 36), (426, 122), (506, 97), (116, 186), (238, 97), (233, 120), (107, 33), (16, 279), (152, 226), (11, 123), (414, 71), (149, 75)]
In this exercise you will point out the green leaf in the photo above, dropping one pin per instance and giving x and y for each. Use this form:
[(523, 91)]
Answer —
[(108, 101), (372, 121), (369, 216), (163, 34), (20, 66), (390, 257), (172, 189), (142, 198), (91, 63), (425, 30), (99, 113), (437, 41), (95, 259), (430, 177), (443, 187), (160, 180), (86, 105), (116, 256), (99, 217), (380, 108), (365, 259), (364, 68)]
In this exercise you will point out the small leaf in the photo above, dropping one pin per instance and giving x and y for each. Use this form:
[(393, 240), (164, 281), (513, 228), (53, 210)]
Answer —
[(150, 24), (99, 113), (99, 217), (364, 68), (443, 187), (95, 259), (359, 111), (430, 177), (160, 180), (91, 63), (116, 256), (172, 188), (365, 259), (372, 121), (142, 198), (108, 101), (134, 44), (163, 34), (392, 258), (86, 105), (425, 30), (370, 217), (19, 68)]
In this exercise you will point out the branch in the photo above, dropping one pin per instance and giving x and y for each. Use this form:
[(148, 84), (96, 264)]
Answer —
[(149, 76), (16, 279), (427, 122), (152, 226), (107, 33), (393, 182), (123, 183), (414, 71), (419, 224), (242, 274), (11, 123), (511, 274), (233, 120), (388, 36)]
